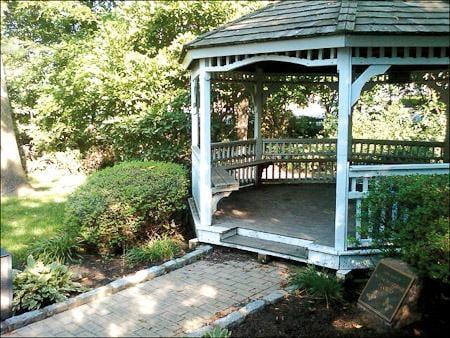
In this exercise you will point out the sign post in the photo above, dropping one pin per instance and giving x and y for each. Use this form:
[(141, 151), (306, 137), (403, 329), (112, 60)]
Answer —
[(6, 284)]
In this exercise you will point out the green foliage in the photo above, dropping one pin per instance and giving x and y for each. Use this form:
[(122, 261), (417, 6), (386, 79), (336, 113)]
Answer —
[(160, 133), (318, 284), (131, 201), (157, 249), (40, 285), (217, 332), (95, 71), (62, 248), (395, 112), (419, 232)]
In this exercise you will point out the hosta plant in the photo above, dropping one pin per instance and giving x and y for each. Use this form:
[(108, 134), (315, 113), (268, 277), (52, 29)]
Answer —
[(39, 285)]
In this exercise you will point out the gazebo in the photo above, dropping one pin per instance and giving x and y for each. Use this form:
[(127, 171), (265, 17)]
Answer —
[(351, 45)]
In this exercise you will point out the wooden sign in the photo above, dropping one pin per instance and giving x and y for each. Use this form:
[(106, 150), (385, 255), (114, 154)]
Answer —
[(391, 292)]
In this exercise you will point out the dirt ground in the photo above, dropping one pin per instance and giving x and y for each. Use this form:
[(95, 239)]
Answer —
[(94, 271), (302, 316)]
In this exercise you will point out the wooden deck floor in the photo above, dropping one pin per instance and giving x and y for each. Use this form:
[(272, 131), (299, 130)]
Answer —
[(303, 211)]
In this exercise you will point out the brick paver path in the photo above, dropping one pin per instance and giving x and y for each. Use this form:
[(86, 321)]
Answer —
[(168, 305)]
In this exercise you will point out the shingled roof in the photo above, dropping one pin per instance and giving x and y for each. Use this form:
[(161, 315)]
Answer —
[(299, 19)]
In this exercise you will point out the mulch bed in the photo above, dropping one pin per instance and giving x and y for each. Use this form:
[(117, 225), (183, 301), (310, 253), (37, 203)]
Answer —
[(94, 271), (302, 316)]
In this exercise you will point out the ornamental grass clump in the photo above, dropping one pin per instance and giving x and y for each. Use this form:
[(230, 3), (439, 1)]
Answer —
[(157, 249), (318, 284), (120, 206), (39, 285)]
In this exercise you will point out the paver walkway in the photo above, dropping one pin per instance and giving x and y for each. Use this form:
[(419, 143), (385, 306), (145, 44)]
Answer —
[(166, 306)]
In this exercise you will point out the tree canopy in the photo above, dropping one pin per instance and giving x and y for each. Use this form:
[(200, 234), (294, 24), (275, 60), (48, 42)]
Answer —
[(87, 74)]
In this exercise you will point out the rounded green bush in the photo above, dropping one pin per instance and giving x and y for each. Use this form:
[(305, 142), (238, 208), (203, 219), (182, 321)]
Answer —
[(131, 201)]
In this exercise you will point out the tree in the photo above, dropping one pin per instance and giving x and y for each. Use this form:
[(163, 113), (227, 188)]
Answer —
[(13, 176)]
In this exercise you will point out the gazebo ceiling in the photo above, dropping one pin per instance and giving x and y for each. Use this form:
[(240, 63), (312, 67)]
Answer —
[(300, 19)]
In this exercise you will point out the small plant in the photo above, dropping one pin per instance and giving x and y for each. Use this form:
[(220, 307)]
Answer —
[(158, 249), (62, 248), (41, 285), (318, 284), (217, 332)]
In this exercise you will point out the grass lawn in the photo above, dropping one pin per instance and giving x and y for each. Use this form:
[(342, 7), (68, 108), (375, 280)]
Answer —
[(38, 215)]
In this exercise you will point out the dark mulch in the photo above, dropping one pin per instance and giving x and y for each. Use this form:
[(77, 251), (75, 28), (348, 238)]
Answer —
[(302, 316), (94, 271)]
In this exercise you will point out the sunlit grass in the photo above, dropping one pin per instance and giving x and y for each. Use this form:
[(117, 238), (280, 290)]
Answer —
[(38, 215)]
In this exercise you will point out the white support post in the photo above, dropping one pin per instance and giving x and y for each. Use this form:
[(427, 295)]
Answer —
[(259, 101), (343, 141), (194, 111), (205, 146)]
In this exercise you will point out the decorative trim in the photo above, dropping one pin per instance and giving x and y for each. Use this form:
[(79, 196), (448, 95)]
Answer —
[(118, 285)]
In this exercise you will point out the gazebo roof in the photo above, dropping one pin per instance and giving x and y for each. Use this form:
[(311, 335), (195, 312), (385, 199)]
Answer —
[(301, 19)]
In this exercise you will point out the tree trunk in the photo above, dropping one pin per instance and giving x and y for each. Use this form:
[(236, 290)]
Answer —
[(13, 176), (242, 110)]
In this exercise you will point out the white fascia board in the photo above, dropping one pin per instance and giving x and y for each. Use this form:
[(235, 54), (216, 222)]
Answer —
[(335, 41), (396, 41)]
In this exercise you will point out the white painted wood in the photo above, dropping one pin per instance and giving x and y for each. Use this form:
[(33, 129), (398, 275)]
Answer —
[(344, 134), (195, 172), (205, 147), (274, 237), (273, 57), (395, 41), (401, 61), (359, 83), (398, 169), (264, 47), (259, 101)]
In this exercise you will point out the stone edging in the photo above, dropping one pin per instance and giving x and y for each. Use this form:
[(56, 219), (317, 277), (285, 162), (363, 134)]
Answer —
[(24, 319), (238, 316)]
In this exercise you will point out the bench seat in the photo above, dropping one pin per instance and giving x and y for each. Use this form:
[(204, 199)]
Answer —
[(248, 164), (222, 181)]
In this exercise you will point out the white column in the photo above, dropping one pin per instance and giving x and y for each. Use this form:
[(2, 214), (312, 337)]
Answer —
[(259, 101), (194, 111), (205, 146), (343, 143)]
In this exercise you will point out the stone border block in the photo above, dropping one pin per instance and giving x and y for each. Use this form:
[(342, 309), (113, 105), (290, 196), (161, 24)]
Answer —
[(275, 296), (252, 307), (238, 316), (16, 322)]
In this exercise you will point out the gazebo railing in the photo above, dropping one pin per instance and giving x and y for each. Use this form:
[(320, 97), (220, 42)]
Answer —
[(362, 176), (314, 160)]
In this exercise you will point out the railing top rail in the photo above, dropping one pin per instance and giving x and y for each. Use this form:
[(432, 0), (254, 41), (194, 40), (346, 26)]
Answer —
[(398, 169), (300, 140), (330, 140), (398, 142), (231, 143)]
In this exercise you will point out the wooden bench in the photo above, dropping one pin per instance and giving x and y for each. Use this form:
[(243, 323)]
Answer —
[(223, 184), (259, 164)]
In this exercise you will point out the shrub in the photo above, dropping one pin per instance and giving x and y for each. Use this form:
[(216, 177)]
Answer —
[(157, 249), (121, 205), (41, 285), (408, 217), (318, 284), (62, 248), (217, 332)]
